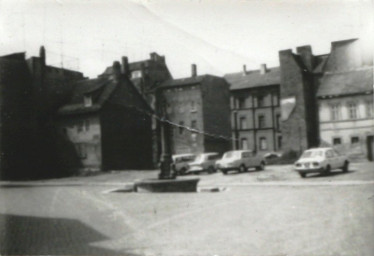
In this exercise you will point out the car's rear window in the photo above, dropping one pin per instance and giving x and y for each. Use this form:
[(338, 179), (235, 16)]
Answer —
[(314, 153)]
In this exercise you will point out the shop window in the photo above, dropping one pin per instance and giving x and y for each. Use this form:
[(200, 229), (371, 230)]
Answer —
[(136, 74)]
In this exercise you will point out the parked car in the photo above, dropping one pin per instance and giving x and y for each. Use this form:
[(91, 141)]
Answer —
[(240, 160), (181, 162), (204, 162), (320, 160)]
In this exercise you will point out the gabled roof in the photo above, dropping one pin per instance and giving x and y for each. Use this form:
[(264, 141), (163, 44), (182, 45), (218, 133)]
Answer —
[(346, 83), (253, 78), (99, 89)]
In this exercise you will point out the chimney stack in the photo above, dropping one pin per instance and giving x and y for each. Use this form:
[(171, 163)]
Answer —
[(244, 70), (42, 54), (193, 70), (116, 71), (263, 69), (125, 66)]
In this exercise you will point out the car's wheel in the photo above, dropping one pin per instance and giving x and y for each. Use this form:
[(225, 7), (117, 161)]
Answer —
[(242, 168), (211, 169), (345, 166), (261, 166), (328, 169), (182, 171), (302, 175)]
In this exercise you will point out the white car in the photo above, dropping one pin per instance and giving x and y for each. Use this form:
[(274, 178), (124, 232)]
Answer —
[(181, 162), (320, 160), (203, 162), (240, 160)]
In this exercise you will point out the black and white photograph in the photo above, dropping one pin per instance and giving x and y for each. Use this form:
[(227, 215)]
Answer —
[(187, 127)]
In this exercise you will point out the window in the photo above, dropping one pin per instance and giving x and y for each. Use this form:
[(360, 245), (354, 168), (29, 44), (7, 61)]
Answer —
[(369, 109), (260, 101), (243, 123), (213, 157), (194, 124), (86, 124), (263, 143), (241, 102), (335, 112), (246, 155), (261, 121), (355, 140), (181, 128), (81, 150), (329, 154), (279, 142), (277, 121), (275, 100), (244, 143), (136, 74), (87, 100), (336, 141), (352, 110), (80, 126), (193, 106)]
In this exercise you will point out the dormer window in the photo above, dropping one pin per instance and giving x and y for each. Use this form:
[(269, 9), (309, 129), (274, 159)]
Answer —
[(87, 100), (136, 74)]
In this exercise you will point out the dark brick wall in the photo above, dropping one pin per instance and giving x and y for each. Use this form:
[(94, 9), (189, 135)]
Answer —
[(17, 123), (292, 85)]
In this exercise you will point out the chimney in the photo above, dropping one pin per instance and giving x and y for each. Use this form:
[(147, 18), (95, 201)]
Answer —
[(244, 70), (193, 70), (154, 56), (263, 69), (42, 54), (306, 55), (116, 71), (125, 66)]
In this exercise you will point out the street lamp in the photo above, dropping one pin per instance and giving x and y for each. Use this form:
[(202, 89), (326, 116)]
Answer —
[(167, 170)]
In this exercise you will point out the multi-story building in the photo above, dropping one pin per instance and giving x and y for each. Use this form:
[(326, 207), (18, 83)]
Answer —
[(255, 110), (345, 98), (109, 123), (198, 108), (31, 91)]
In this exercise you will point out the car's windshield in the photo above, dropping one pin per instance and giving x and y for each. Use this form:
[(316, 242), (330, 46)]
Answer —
[(231, 154), (312, 153)]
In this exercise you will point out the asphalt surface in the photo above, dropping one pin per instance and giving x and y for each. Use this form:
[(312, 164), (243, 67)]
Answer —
[(273, 212)]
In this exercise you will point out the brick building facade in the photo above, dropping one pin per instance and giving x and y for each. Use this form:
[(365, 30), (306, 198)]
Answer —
[(255, 111), (198, 106)]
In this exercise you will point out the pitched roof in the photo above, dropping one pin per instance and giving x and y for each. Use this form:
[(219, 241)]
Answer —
[(184, 81), (99, 89), (253, 78), (346, 83)]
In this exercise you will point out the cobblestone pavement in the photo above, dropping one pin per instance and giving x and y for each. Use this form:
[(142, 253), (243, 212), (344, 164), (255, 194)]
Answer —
[(321, 215)]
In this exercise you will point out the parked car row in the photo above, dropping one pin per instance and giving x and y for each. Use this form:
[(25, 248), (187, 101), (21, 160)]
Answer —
[(316, 160), (237, 160)]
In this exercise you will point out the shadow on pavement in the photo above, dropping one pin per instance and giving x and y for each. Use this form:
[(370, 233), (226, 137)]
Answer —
[(27, 235), (332, 173)]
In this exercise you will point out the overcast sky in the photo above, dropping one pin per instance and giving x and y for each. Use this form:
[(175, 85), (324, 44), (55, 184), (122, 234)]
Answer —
[(219, 36)]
